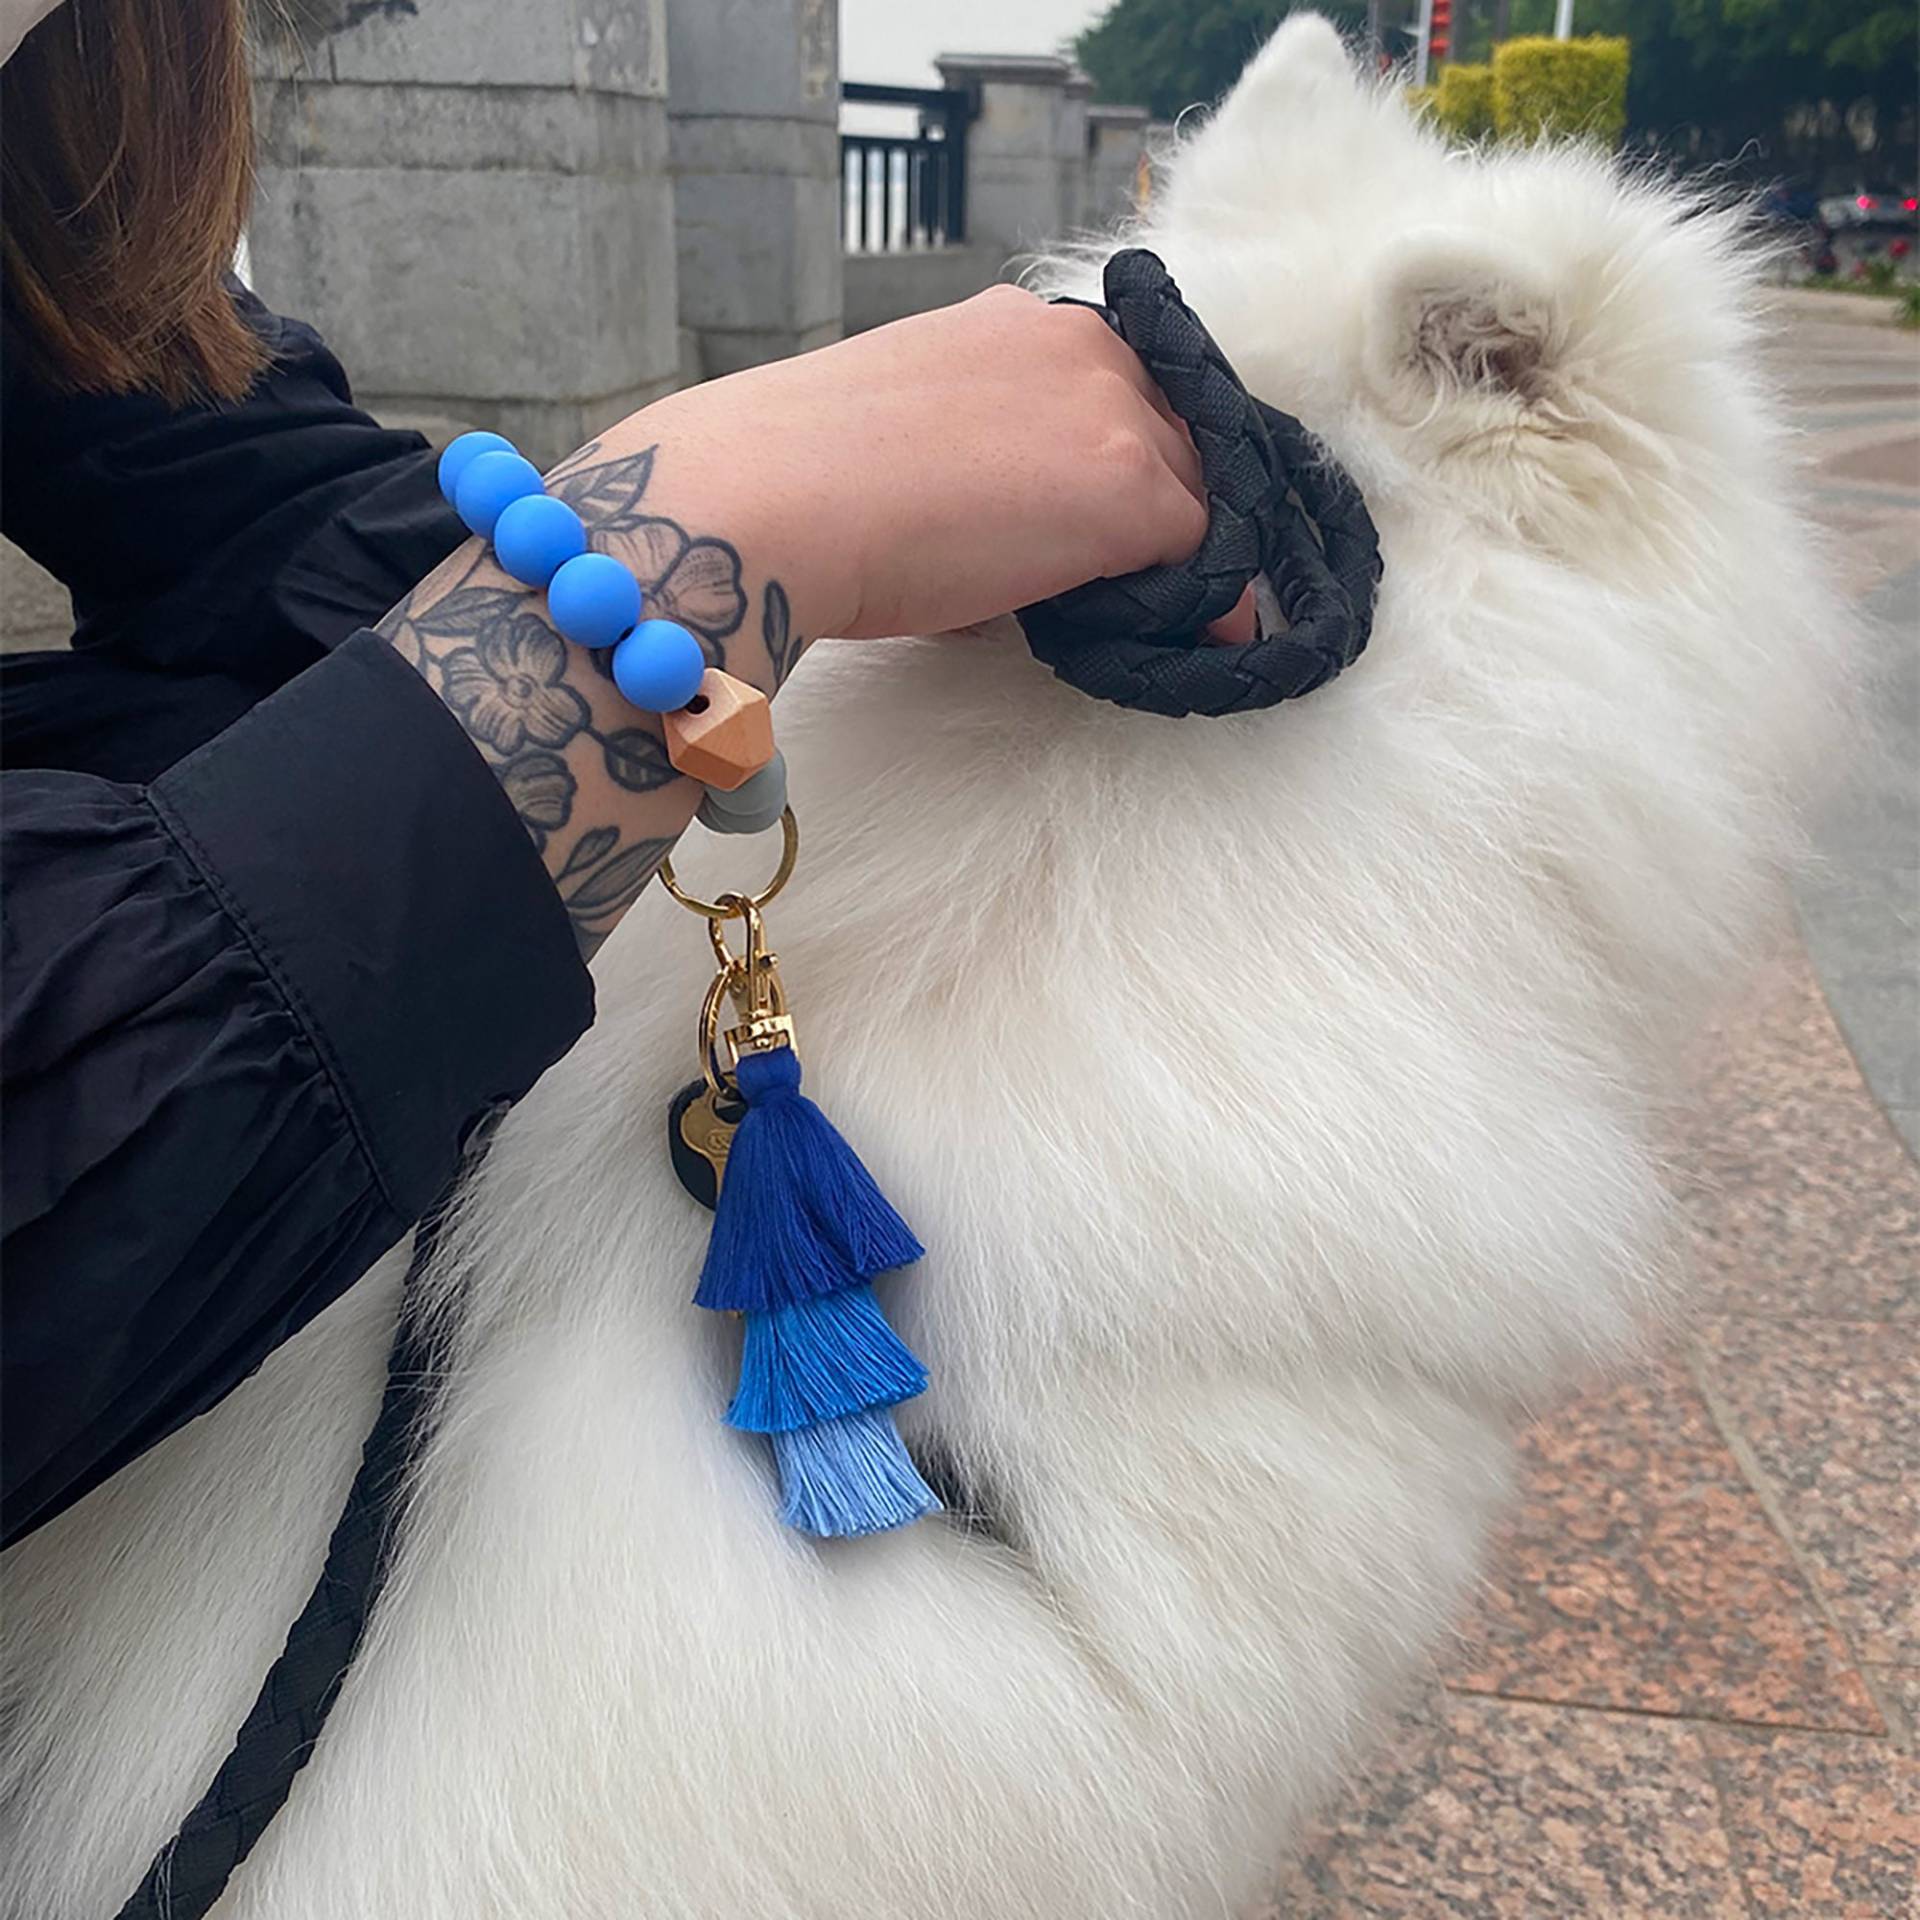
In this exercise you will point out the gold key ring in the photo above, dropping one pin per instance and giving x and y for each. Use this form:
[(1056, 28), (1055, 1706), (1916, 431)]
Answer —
[(721, 909)]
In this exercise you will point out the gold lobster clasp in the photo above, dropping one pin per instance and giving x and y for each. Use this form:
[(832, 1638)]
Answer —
[(752, 983)]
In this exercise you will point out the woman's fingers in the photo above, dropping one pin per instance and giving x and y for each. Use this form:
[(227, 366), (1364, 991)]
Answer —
[(1157, 399), (1238, 625), (1168, 432), (1172, 438)]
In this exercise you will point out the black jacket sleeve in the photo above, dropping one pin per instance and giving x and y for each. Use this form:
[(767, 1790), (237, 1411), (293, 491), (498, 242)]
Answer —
[(243, 537), (272, 939), (250, 1013)]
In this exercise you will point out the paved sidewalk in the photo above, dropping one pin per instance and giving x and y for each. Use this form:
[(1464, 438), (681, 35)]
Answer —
[(1693, 1689)]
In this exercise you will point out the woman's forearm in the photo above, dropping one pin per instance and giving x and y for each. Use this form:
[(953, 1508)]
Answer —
[(920, 477), (588, 773)]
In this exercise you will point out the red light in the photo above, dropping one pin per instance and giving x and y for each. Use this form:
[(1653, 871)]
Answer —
[(1440, 33), (1865, 203), (1912, 206)]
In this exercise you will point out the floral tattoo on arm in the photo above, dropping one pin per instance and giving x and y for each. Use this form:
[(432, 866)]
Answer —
[(546, 716)]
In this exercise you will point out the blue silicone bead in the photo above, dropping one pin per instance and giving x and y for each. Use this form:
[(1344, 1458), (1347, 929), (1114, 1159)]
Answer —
[(594, 600), (461, 454), (658, 666), (491, 483), (536, 536)]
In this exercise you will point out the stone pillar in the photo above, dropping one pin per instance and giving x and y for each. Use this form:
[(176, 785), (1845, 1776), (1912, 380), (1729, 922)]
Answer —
[(471, 200), (1076, 99), (1026, 149), (1116, 143), (754, 99)]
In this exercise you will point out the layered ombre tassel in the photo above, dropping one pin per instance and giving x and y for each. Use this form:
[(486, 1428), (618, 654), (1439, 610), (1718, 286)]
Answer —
[(800, 1232), (799, 1216), (820, 1360), (842, 1478)]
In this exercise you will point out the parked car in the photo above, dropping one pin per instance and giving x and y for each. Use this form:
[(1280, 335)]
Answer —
[(1885, 209)]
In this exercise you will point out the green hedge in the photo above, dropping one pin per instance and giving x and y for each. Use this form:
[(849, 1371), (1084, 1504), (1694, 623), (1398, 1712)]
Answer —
[(1463, 101), (1560, 87)]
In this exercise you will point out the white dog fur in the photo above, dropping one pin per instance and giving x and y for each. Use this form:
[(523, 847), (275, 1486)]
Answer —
[(1275, 1096)]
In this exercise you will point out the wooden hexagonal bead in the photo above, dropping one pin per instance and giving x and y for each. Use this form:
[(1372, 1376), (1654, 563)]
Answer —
[(723, 736)]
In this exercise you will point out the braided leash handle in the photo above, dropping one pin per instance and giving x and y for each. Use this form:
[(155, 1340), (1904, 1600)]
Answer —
[(1277, 506), (279, 1734)]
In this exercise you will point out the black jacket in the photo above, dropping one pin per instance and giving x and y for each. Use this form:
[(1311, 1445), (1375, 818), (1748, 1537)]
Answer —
[(272, 939)]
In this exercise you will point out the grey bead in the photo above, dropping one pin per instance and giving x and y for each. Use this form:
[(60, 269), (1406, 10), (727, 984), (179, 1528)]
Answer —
[(753, 806)]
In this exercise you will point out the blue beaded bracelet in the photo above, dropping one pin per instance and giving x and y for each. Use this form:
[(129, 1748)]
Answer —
[(594, 601)]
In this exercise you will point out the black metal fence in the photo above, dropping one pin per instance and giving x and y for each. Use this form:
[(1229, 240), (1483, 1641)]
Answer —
[(903, 191)]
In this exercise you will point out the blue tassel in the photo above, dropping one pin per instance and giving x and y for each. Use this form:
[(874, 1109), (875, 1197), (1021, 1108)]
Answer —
[(798, 1216), (842, 1478), (799, 1232), (820, 1359)]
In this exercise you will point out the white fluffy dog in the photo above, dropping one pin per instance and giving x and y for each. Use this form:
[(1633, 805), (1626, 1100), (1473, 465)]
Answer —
[(1274, 1096)]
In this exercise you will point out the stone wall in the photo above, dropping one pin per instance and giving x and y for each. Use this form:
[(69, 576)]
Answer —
[(471, 199), (537, 218), (754, 104), (887, 286), (1116, 151)]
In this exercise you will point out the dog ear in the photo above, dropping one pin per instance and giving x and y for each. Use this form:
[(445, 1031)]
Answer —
[(1494, 380), (1300, 86), (1453, 317), (1303, 133), (1304, 61)]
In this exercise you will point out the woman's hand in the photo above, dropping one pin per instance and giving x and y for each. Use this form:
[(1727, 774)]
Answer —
[(941, 470), (921, 477)]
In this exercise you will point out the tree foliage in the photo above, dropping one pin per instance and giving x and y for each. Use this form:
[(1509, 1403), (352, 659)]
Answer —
[(1168, 55), (1771, 82)]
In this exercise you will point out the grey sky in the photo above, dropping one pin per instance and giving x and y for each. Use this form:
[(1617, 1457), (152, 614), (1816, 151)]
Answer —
[(894, 41)]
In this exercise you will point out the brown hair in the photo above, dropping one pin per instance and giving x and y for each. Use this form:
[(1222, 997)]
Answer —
[(126, 161)]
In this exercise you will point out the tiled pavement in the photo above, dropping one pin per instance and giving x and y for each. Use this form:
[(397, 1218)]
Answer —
[(1692, 1690)]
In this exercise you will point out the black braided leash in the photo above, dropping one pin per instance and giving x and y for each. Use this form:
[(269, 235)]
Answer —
[(1138, 640), (278, 1736)]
